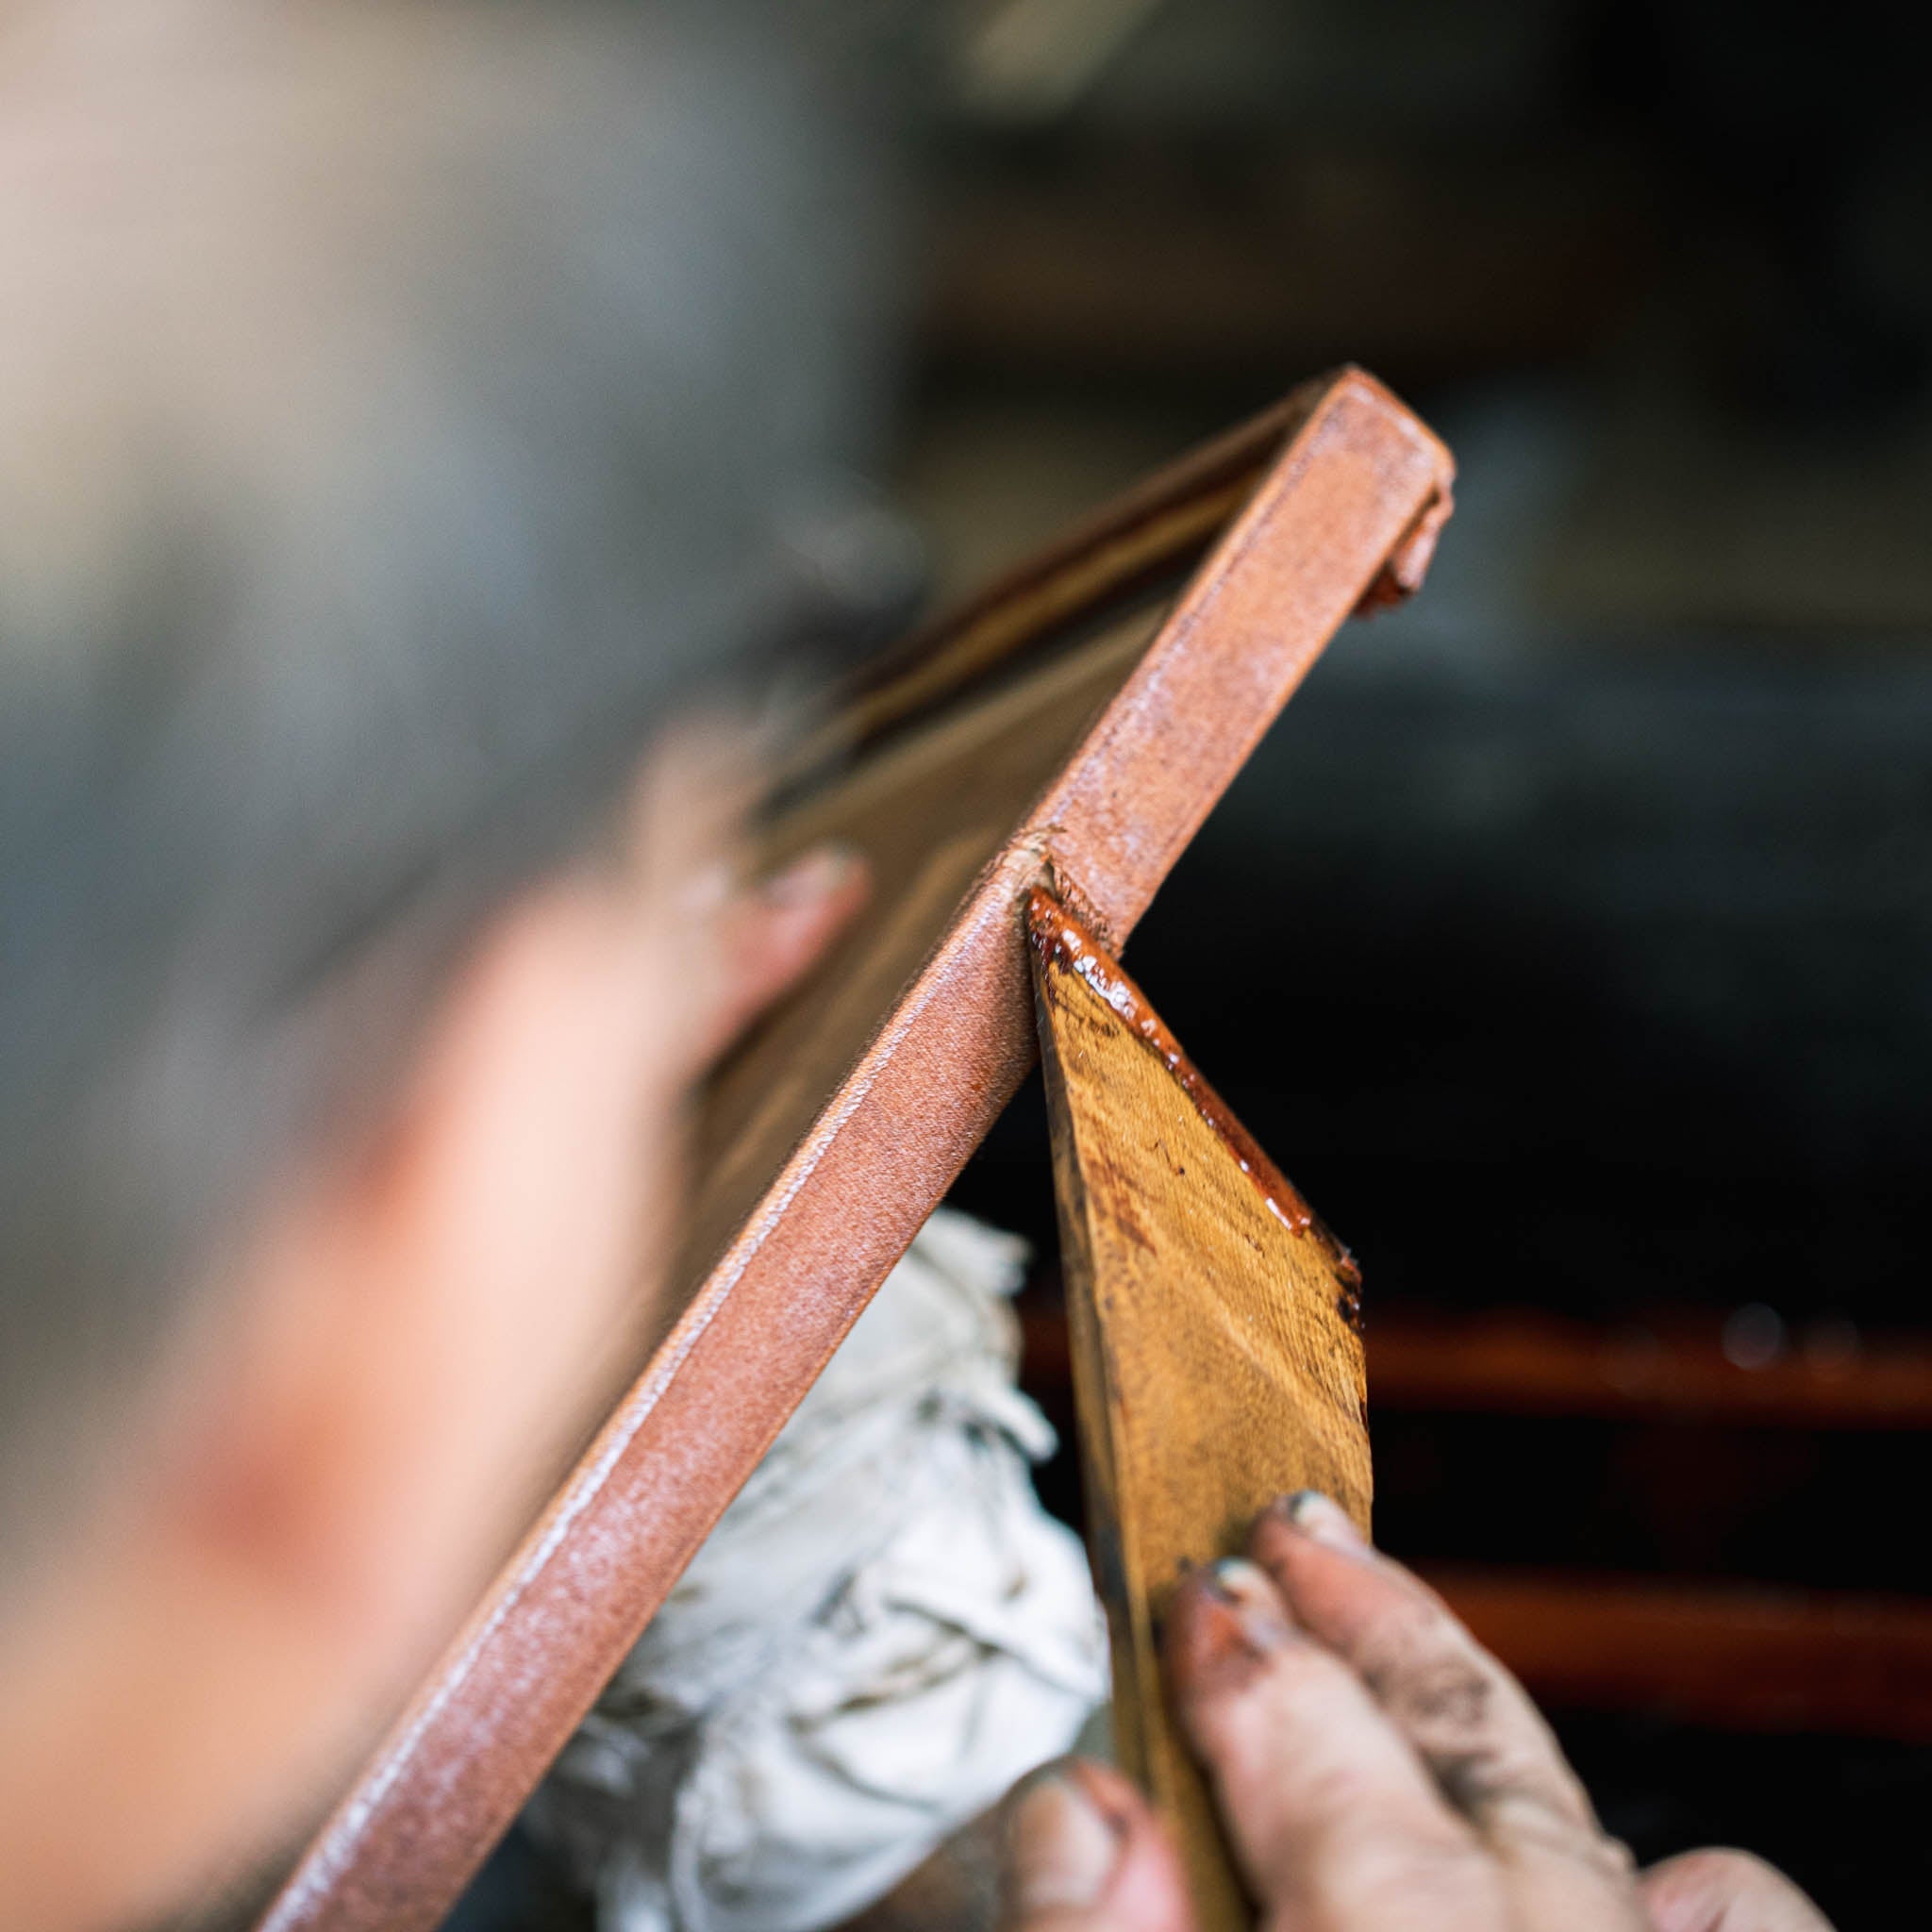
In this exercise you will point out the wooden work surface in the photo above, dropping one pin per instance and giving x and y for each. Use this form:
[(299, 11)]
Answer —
[(1216, 1341), (842, 1124)]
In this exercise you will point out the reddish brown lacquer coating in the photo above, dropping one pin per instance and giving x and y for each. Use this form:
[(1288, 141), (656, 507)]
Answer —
[(1349, 502), (1057, 934)]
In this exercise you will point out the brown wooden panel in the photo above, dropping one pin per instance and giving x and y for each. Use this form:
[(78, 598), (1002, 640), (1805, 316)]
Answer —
[(844, 1122), (1214, 1322)]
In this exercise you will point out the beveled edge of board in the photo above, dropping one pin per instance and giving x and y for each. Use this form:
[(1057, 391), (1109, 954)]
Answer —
[(1352, 500)]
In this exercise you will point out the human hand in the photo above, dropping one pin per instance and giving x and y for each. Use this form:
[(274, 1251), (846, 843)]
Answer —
[(1375, 1771), (776, 931)]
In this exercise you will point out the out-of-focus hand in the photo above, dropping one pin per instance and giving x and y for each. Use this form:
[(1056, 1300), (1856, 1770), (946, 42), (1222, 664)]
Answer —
[(773, 932), (1376, 1770)]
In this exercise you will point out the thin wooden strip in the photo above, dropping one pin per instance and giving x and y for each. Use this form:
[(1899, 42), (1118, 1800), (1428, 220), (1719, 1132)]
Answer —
[(1535, 1365), (841, 1169), (1733, 1656), (1215, 1353)]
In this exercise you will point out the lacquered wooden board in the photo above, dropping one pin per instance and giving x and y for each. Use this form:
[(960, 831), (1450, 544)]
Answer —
[(1216, 1341), (1012, 746)]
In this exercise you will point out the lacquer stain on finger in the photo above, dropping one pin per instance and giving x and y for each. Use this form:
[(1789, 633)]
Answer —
[(1225, 1624), (1251, 1592)]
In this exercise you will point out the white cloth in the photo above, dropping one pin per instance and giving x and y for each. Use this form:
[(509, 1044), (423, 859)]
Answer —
[(882, 1633)]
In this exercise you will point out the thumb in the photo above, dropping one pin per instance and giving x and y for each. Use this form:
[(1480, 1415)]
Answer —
[(771, 934), (1085, 1853), (1726, 1891)]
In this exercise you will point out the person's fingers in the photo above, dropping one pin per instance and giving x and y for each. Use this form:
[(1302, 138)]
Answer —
[(1463, 1713), (1726, 1891), (1469, 1719), (1085, 1854), (1332, 1817), (773, 933)]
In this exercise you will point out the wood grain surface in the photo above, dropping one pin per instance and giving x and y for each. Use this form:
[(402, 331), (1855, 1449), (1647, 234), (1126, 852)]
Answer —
[(1216, 1341), (842, 1124)]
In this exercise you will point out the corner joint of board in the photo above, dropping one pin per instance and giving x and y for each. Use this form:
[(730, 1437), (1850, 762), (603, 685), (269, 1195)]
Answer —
[(1051, 899)]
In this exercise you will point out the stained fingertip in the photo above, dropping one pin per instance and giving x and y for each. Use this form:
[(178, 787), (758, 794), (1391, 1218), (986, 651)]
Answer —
[(1331, 1583), (1248, 1587), (1223, 1624), (1319, 1515)]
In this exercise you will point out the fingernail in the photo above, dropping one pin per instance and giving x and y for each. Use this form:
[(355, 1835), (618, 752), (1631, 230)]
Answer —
[(708, 888), (1325, 1521), (1247, 1591), (817, 876), (1060, 1848)]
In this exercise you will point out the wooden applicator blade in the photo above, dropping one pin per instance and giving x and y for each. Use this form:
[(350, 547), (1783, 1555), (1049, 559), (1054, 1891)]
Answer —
[(1215, 1331)]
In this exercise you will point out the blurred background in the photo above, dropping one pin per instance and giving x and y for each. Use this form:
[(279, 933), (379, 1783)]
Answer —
[(1569, 943)]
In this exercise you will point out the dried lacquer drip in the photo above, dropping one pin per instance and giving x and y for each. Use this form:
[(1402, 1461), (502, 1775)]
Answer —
[(1059, 936), (1216, 1359)]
